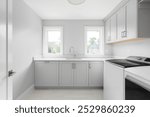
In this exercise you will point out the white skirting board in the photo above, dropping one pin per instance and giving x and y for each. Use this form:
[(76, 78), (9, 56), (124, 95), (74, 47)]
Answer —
[(25, 93)]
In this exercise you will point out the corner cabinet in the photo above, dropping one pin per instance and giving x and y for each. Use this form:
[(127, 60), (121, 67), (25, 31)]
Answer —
[(68, 74), (132, 22)]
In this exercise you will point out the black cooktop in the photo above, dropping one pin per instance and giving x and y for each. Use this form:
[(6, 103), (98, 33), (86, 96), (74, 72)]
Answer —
[(126, 63)]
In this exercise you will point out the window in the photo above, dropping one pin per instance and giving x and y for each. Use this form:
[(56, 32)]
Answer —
[(94, 41), (53, 41)]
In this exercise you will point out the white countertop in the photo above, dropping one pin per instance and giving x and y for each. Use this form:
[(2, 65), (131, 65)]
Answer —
[(70, 59)]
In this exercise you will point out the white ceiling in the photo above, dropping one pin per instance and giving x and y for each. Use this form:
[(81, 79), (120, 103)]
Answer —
[(61, 9)]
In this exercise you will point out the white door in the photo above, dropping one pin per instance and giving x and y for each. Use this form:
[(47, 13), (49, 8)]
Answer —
[(3, 61), (96, 74), (5, 42), (66, 73), (10, 57), (46, 74), (81, 74)]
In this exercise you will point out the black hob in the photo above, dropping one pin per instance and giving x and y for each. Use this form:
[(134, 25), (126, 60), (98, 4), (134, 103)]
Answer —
[(131, 61)]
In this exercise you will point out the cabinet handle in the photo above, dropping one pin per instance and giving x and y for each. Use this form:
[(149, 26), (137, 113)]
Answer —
[(125, 33), (90, 66)]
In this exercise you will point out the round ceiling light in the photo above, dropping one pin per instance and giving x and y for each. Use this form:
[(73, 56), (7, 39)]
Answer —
[(76, 2)]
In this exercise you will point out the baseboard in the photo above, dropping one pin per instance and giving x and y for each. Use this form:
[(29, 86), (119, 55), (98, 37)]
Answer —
[(25, 93)]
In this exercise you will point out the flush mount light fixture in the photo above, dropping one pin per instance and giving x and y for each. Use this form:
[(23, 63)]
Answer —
[(76, 2)]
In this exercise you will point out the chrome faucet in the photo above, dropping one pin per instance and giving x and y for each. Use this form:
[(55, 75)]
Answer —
[(72, 51)]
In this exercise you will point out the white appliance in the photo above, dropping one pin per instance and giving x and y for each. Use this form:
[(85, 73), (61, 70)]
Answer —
[(137, 83), (114, 70)]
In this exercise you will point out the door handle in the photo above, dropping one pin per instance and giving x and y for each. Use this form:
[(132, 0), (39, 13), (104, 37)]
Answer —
[(11, 73)]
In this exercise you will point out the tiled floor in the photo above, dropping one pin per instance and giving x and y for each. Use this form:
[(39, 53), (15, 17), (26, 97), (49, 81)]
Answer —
[(65, 94)]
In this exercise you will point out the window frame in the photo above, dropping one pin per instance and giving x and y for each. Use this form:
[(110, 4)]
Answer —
[(101, 51), (45, 41)]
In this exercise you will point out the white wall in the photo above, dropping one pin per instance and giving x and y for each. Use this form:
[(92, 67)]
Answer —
[(74, 33), (132, 48), (27, 43)]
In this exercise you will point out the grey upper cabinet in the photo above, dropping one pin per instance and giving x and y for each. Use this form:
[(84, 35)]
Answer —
[(107, 31), (113, 27), (121, 23), (132, 21), (143, 19)]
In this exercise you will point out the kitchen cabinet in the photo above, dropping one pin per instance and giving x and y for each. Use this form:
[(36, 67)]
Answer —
[(66, 73), (131, 18), (74, 74), (46, 74), (114, 82), (96, 74), (121, 23), (132, 21), (81, 74), (107, 31), (113, 27)]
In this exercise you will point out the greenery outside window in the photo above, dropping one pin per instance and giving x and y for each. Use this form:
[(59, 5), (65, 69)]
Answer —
[(94, 40), (53, 41)]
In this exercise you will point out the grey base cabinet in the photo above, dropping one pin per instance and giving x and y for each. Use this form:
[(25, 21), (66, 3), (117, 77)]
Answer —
[(96, 74), (68, 74), (46, 74)]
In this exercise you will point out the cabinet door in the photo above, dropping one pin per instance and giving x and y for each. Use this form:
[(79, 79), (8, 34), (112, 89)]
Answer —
[(96, 74), (66, 73), (46, 74), (113, 82), (121, 23), (114, 27), (81, 74), (132, 19), (107, 31)]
